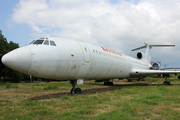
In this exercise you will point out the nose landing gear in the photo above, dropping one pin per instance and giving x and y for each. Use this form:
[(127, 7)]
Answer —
[(74, 83)]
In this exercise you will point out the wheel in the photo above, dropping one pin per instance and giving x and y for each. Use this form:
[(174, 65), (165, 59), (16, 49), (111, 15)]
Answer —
[(110, 83), (167, 83), (72, 91), (78, 91)]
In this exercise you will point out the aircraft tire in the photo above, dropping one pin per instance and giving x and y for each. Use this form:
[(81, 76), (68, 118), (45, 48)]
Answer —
[(143, 79), (167, 83), (72, 91), (78, 91)]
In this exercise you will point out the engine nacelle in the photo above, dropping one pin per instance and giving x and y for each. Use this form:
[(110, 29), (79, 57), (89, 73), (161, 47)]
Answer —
[(156, 65), (140, 55)]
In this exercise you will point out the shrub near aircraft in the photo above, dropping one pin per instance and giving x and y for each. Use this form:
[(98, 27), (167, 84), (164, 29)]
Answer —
[(76, 61)]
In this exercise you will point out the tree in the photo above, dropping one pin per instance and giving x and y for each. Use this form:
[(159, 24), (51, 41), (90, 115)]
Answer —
[(11, 46), (3, 43)]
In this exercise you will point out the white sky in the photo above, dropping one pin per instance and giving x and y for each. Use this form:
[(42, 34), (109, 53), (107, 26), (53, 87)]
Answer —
[(120, 25)]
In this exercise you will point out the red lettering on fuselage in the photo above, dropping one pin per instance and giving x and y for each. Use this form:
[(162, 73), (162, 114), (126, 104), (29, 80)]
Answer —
[(107, 50)]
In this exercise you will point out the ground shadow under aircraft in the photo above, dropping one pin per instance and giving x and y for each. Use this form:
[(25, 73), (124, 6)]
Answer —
[(93, 90)]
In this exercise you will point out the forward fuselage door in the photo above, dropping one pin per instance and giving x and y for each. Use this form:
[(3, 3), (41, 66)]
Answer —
[(85, 51)]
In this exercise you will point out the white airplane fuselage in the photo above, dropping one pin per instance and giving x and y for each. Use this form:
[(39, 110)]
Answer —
[(71, 60)]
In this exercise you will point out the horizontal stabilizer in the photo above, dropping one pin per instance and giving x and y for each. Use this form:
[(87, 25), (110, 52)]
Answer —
[(152, 46)]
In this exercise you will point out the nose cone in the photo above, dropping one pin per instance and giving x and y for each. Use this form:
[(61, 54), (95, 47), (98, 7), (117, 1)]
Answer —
[(19, 59)]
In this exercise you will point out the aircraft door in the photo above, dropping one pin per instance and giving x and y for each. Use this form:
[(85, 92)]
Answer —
[(85, 51)]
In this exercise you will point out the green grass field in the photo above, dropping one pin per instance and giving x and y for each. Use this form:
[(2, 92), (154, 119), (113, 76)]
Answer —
[(148, 99)]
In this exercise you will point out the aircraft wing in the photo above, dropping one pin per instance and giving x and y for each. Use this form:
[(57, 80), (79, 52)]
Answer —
[(172, 68), (151, 72)]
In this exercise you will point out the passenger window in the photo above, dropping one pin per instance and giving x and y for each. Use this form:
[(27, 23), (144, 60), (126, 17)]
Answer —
[(38, 42), (46, 42), (52, 43)]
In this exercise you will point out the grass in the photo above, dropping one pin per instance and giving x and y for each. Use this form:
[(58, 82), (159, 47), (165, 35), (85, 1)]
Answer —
[(125, 100)]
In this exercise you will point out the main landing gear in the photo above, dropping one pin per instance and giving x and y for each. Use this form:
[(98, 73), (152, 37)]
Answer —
[(107, 82), (74, 83), (166, 82)]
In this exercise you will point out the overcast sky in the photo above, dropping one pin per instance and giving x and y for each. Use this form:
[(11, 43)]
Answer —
[(120, 25)]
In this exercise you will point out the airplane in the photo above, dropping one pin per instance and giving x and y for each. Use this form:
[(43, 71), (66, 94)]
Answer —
[(76, 61)]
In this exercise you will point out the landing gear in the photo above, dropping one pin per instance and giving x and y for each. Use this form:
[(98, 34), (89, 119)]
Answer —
[(178, 77), (75, 90), (107, 82), (143, 79), (166, 82), (78, 91)]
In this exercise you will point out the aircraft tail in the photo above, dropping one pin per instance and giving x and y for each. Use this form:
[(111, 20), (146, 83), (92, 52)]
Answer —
[(147, 55)]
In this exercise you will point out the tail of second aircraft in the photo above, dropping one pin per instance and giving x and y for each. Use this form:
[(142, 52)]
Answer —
[(147, 56)]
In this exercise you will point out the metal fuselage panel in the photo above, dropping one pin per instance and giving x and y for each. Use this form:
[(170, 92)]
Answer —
[(71, 60)]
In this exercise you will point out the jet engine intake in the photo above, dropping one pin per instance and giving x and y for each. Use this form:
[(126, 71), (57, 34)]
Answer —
[(156, 66), (140, 55)]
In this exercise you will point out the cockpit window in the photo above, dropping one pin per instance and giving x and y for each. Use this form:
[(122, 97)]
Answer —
[(31, 42), (52, 43), (46, 42), (38, 42)]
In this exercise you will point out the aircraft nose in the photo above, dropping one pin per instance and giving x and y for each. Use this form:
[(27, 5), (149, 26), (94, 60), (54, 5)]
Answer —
[(19, 59)]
